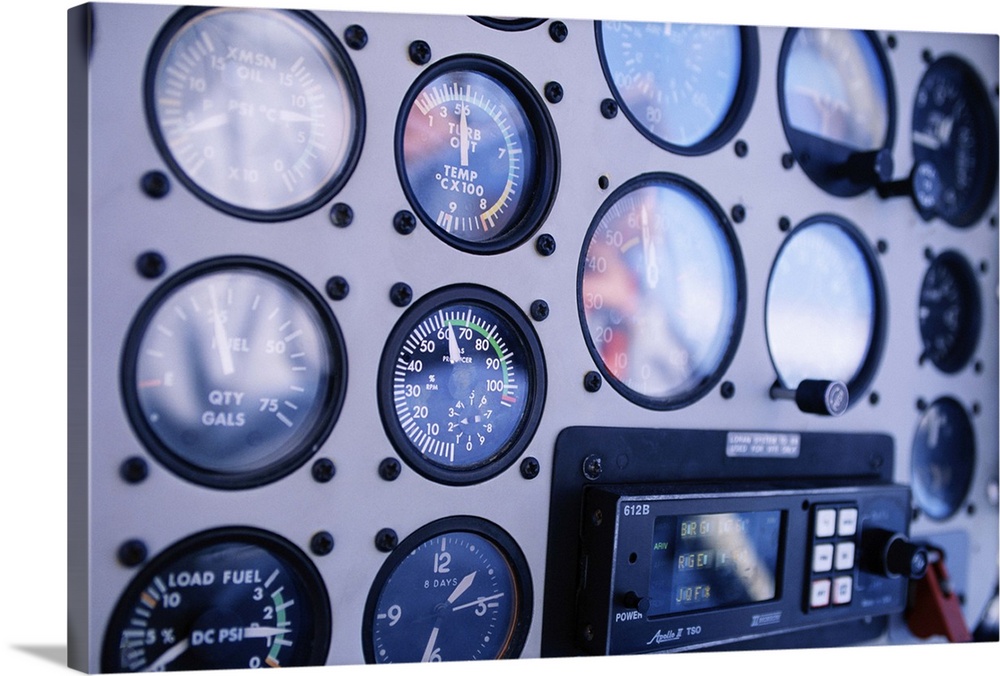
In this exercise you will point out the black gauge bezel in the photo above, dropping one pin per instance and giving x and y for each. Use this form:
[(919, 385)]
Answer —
[(967, 336), (696, 192), (512, 24), (746, 91), (329, 408), (353, 94), (505, 545), (823, 161), (876, 344), (980, 107), (538, 197), (956, 414), (534, 373), (291, 556)]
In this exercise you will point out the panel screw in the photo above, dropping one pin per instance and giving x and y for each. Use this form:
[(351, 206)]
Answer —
[(593, 467), (404, 222), (539, 310), (401, 294), (558, 31), (337, 288), (592, 381), (873, 398), (588, 633), (784, 224), (321, 543), (341, 215), (927, 56), (386, 540), (727, 390), (788, 160), (921, 405), (355, 36), (603, 182), (545, 245), (739, 213), (890, 41), (132, 553), (134, 470), (150, 264), (323, 470), (882, 246), (420, 52), (553, 92), (389, 469), (741, 149), (530, 468), (155, 184), (609, 109)]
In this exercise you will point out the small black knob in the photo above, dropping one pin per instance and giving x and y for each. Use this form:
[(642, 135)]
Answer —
[(633, 600), (869, 168), (822, 397), (893, 555), (923, 186)]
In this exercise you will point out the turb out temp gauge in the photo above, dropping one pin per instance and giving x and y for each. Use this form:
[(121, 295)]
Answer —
[(415, 338)]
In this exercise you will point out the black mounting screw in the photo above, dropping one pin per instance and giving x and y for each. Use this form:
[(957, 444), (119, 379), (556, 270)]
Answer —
[(401, 294), (404, 222), (882, 246), (978, 367), (420, 52), (386, 540), (323, 470), (321, 543), (530, 468), (890, 41), (876, 462), (341, 215), (593, 467), (592, 381), (337, 288), (553, 92), (155, 184), (355, 36), (927, 56), (739, 213), (921, 405), (788, 160), (928, 254), (609, 109), (389, 469), (132, 552), (741, 148), (984, 267), (784, 224), (727, 390), (539, 310), (874, 398), (545, 244), (134, 470), (150, 264), (558, 31), (603, 182), (587, 633)]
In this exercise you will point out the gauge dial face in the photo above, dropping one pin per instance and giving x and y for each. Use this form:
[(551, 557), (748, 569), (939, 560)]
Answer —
[(950, 314), (825, 305), (661, 291), (259, 112), (686, 87), (462, 384), (955, 131), (457, 589), (943, 459), (837, 105), (234, 372), (476, 154), (233, 598)]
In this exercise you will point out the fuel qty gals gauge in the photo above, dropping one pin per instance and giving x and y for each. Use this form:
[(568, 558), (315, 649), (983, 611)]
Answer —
[(461, 384), (234, 372), (476, 153)]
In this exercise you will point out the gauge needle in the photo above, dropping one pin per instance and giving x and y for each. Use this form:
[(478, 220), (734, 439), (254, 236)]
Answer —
[(210, 123), (649, 252), (221, 339), (169, 656), (929, 141), (463, 131), (462, 586), (481, 599), (263, 632), (292, 116), (454, 351), (429, 650)]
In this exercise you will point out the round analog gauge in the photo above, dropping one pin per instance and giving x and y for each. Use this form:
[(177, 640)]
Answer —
[(230, 598), (837, 107), (955, 132), (661, 291), (686, 87), (943, 459), (259, 112), (825, 307), (456, 589), (234, 372), (461, 384), (950, 315), (476, 153)]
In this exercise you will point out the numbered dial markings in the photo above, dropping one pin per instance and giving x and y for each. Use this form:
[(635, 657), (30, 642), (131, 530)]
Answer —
[(226, 599), (455, 590), (950, 313), (944, 458)]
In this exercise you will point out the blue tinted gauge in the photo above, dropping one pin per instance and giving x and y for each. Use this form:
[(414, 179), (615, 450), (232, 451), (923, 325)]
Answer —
[(231, 598), (259, 112), (837, 107), (825, 307), (950, 312), (943, 459), (661, 291), (234, 372), (476, 154), (462, 384), (457, 589), (955, 132), (686, 87)]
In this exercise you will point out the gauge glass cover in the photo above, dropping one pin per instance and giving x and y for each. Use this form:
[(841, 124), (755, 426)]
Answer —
[(661, 291), (950, 313), (943, 459), (234, 372), (258, 111)]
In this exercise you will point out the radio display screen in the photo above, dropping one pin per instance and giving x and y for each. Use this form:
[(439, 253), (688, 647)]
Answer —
[(707, 561)]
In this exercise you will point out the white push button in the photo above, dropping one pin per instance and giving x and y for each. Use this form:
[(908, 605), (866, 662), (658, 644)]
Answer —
[(844, 558), (847, 522), (842, 587), (826, 523), (820, 594), (822, 558)]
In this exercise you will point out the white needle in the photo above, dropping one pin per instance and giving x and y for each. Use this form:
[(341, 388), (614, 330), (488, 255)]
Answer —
[(454, 352), (929, 141), (221, 339), (429, 650), (649, 252), (481, 599), (210, 123), (462, 586), (168, 657), (463, 130), (263, 632), (292, 116)]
